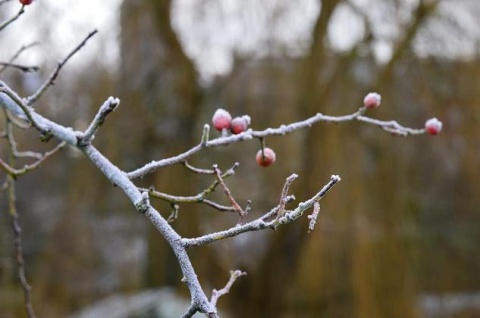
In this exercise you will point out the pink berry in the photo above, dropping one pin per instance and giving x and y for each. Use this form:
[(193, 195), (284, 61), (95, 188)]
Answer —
[(433, 126), (372, 100), (221, 119), (240, 124), (267, 158), (26, 2)]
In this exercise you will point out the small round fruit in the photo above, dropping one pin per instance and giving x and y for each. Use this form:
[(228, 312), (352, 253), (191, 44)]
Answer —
[(26, 2), (239, 124), (372, 100), (433, 126), (221, 119), (266, 158)]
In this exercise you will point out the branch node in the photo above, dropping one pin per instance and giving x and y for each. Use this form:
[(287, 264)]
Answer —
[(143, 204), (205, 135)]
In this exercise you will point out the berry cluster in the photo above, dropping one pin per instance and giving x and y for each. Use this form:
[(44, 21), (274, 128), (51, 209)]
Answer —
[(223, 122)]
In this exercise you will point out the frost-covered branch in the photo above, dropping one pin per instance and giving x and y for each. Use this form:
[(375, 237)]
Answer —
[(17, 54), (389, 126), (108, 106), (23, 68), (216, 294), (6, 23), (29, 167), (200, 197), (261, 222), (51, 80)]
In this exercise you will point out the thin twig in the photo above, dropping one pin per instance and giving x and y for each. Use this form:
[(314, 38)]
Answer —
[(241, 213), (261, 223), (108, 107), (26, 168), (389, 126), (198, 198), (50, 81), (17, 232), (13, 144), (284, 196), (216, 294), (17, 54), (6, 23), (313, 217), (23, 68), (197, 170), (27, 110)]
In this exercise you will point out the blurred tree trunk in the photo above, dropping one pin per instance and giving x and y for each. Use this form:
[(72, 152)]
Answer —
[(159, 85)]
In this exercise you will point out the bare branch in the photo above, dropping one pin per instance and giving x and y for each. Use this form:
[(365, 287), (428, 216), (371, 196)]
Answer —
[(313, 217), (261, 223), (200, 197), (27, 110), (389, 126), (108, 106), (17, 54), (18, 172), (241, 213), (23, 68), (6, 23), (32, 99), (197, 170), (216, 294), (284, 196), (17, 232)]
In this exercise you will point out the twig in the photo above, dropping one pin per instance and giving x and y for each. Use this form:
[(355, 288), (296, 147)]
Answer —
[(216, 294), (23, 68), (17, 54), (50, 81), (260, 223), (16, 121), (17, 232), (27, 110), (241, 213), (18, 172), (174, 215), (313, 217), (200, 197), (6, 23), (198, 170), (284, 196), (13, 144), (389, 126), (108, 106)]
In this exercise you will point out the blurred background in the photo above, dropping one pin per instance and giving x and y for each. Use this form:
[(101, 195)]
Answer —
[(398, 237)]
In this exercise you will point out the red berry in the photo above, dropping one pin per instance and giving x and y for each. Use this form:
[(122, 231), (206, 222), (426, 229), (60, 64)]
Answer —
[(221, 119), (433, 126), (267, 158), (372, 100), (240, 124), (26, 2)]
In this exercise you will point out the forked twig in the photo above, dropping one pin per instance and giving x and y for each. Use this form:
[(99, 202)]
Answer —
[(50, 81), (216, 294)]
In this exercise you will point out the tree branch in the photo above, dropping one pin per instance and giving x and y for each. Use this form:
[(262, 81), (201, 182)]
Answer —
[(216, 294), (15, 17), (50, 81), (389, 126), (261, 223)]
